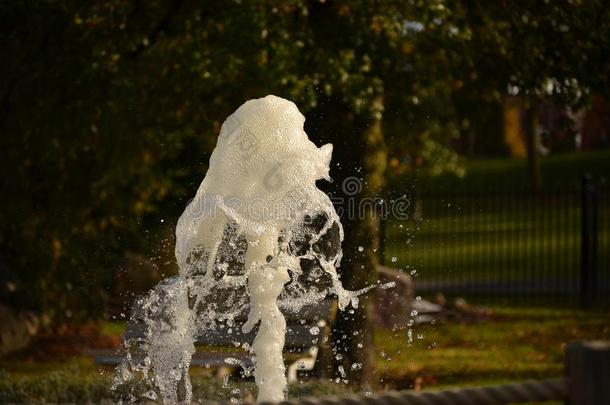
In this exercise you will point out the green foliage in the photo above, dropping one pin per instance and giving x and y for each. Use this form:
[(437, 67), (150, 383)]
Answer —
[(110, 108)]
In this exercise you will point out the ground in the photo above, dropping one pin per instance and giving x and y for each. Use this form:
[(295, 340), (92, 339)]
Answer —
[(510, 344), (502, 344)]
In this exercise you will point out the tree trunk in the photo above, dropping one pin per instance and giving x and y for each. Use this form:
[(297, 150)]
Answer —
[(352, 333), (532, 142)]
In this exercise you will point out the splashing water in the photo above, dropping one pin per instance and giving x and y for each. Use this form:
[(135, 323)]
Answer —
[(258, 236)]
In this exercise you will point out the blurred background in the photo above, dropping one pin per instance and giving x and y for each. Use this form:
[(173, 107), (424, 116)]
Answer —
[(490, 122)]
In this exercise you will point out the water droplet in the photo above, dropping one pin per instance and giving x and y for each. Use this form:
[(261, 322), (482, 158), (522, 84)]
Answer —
[(389, 285), (342, 371), (361, 248)]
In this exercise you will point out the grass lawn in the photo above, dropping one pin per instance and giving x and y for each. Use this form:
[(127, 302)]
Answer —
[(488, 227), (513, 344), (514, 245), (559, 171)]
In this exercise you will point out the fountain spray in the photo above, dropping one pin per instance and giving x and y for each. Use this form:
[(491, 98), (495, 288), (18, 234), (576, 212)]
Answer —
[(259, 238)]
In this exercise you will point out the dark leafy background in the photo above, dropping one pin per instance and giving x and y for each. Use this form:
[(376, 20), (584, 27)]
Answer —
[(110, 108)]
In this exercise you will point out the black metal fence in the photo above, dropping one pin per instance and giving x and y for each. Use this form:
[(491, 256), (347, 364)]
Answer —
[(505, 243)]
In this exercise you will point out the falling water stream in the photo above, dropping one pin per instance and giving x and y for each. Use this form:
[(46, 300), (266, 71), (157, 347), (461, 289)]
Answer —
[(258, 236)]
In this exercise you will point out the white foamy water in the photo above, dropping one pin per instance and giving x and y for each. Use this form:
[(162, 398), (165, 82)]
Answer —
[(259, 236)]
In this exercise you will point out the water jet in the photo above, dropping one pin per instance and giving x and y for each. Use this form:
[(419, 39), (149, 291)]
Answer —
[(258, 237)]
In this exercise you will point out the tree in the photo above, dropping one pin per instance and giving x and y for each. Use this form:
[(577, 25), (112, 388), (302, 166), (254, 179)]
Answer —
[(111, 108), (539, 50)]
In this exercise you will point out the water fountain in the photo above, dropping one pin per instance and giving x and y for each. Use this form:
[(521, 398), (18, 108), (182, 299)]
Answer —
[(258, 236)]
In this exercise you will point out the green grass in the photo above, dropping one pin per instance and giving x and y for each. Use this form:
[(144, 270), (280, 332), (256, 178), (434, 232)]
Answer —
[(489, 246), (514, 344), (558, 171), (58, 386), (488, 227), (64, 383)]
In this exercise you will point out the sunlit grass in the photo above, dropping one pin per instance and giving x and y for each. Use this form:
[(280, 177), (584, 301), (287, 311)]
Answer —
[(493, 245), (513, 344), (516, 344)]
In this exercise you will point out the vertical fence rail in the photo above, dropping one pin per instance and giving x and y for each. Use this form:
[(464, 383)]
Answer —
[(602, 245), (588, 270)]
